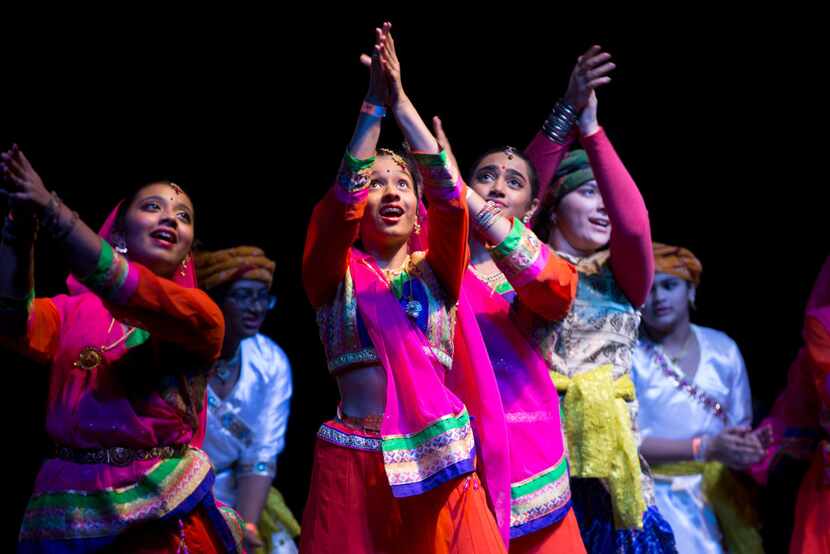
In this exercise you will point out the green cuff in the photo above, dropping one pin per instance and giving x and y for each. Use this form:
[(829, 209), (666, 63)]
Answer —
[(355, 164), (431, 160), (510, 242), (103, 266)]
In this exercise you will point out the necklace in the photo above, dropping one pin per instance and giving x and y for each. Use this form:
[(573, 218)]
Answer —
[(225, 369), (682, 354), (493, 280), (91, 356), (411, 306)]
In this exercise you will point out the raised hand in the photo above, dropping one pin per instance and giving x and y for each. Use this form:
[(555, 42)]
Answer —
[(21, 184), (591, 71), (378, 93), (443, 141), (390, 64)]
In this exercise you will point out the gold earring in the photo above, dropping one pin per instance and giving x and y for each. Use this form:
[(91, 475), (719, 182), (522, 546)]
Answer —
[(183, 271), (417, 228)]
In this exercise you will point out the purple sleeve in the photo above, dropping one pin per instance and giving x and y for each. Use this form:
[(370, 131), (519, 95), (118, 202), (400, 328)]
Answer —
[(546, 155), (632, 259)]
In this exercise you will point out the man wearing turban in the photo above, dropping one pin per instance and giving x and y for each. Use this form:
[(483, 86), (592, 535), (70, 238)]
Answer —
[(695, 412), (248, 397)]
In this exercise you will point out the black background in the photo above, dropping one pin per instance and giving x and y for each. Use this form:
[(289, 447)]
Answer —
[(718, 118)]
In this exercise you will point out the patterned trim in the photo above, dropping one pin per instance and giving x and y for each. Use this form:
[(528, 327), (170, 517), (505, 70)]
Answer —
[(113, 278), (443, 357), (530, 417), (237, 427), (235, 525), (545, 495), (439, 176), (365, 356), (683, 384), (418, 462), (170, 485), (520, 256), (349, 440), (353, 177), (230, 421)]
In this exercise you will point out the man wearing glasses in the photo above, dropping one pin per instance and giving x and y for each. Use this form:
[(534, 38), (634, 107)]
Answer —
[(248, 397)]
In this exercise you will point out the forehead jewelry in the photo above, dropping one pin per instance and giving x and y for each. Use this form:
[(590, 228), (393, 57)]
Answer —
[(509, 152), (176, 188), (395, 158)]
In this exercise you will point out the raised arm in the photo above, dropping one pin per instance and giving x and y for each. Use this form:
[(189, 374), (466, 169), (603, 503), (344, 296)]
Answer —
[(551, 143), (447, 214), (335, 221)]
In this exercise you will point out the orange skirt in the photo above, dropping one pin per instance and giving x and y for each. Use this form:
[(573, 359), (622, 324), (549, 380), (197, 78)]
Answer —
[(193, 532), (351, 509), (562, 537)]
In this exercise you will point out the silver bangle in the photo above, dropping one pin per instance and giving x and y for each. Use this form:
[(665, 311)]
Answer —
[(560, 122), (486, 216)]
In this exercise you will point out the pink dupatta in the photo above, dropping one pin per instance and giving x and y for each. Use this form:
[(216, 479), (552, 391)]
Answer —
[(539, 480), (431, 415)]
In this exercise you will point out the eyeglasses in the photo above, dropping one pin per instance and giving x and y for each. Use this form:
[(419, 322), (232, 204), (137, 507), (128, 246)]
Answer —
[(249, 299)]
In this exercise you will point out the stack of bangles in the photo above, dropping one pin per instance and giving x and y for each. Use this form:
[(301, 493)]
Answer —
[(559, 123), (486, 216)]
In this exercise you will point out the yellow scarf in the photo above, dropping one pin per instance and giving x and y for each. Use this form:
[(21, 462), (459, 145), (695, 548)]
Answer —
[(731, 500), (600, 441)]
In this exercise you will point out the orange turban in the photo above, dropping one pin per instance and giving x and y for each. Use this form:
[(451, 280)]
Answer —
[(225, 266), (677, 261)]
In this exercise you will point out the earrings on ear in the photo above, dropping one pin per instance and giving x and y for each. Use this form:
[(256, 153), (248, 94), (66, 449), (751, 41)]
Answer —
[(120, 246), (183, 270)]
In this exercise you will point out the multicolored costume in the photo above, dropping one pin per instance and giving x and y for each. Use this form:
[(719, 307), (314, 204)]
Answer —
[(410, 480), (533, 282), (589, 355), (126, 410)]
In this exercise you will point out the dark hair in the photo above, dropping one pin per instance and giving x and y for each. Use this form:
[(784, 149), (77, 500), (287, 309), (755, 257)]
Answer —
[(541, 223), (533, 177), (121, 214)]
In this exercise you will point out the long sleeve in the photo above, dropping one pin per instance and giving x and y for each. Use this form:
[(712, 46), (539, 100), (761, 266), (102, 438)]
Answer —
[(546, 155), (334, 227), (739, 411), (448, 252), (170, 312), (543, 281), (632, 259), (42, 329), (260, 457)]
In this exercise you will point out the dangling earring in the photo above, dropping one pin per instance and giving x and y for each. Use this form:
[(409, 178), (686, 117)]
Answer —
[(527, 217), (120, 246), (183, 270), (417, 228)]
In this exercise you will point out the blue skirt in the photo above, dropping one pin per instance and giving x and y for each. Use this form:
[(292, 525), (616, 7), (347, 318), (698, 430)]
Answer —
[(592, 506)]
